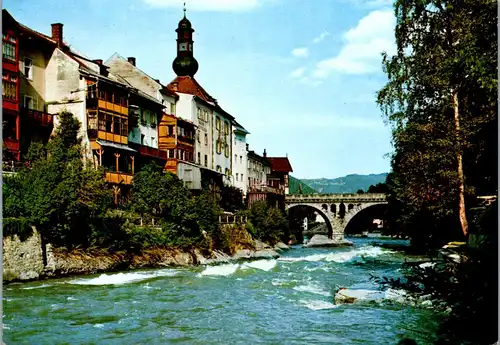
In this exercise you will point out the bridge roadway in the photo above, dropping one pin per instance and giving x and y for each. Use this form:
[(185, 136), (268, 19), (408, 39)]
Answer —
[(336, 209)]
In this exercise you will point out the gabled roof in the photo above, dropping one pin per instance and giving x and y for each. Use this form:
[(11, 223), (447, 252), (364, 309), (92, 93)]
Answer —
[(163, 89), (280, 164), (6, 16), (239, 127), (257, 157), (189, 85)]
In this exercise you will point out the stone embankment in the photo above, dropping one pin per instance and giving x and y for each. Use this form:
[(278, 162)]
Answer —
[(24, 260)]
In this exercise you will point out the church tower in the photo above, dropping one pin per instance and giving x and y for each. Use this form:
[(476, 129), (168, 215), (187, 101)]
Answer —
[(185, 64)]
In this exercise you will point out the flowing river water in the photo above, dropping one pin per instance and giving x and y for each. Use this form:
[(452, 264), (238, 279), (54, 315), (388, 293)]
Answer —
[(285, 301)]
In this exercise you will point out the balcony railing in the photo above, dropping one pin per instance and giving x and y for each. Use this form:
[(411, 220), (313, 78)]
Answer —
[(149, 151), (40, 117), (186, 139), (265, 189), (119, 177)]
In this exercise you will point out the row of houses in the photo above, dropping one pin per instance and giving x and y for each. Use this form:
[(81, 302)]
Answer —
[(128, 117)]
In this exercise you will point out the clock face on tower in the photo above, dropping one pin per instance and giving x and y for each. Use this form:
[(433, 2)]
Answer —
[(182, 47)]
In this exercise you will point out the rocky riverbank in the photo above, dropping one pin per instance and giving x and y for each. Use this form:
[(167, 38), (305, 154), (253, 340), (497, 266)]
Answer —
[(24, 260)]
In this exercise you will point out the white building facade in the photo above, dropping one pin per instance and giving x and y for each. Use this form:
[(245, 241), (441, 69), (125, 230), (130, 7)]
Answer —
[(239, 157)]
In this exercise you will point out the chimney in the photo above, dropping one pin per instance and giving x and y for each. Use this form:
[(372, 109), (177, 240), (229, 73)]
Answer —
[(158, 81), (265, 153), (57, 33), (131, 59), (98, 61), (175, 86)]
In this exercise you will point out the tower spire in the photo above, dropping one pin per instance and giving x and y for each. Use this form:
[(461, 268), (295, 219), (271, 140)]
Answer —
[(185, 64)]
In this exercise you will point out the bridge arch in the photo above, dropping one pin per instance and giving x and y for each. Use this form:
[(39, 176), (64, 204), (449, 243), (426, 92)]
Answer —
[(337, 209), (362, 214), (317, 208)]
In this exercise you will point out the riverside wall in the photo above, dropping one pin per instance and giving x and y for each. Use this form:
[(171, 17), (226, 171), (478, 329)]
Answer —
[(24, 260)]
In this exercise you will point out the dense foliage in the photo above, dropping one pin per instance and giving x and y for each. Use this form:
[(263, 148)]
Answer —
[(441, 100), (57, 194), (266, 223)]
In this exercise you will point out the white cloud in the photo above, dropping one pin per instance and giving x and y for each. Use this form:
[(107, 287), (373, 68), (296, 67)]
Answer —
[(371, 3), (321, 37), (300, 52), (299, 72), (208, 5), (360, 53)]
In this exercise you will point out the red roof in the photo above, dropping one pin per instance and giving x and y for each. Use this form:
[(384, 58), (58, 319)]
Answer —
[(280, 164), (189, 85)]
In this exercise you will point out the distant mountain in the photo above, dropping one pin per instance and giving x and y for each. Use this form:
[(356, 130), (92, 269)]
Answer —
[(297, 186), (347, 184)]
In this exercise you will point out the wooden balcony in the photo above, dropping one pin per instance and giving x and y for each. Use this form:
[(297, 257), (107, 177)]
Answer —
[(152, 152), (39, 117), (119, 177), (108, 136)]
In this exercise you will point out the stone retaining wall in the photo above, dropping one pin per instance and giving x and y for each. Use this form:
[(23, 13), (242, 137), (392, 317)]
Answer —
[(23, 260)]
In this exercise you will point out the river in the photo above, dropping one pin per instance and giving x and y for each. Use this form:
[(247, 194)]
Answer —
[(284, 301)]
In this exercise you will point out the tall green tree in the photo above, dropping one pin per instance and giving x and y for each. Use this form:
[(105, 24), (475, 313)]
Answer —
[(441, 95), (58, 193)]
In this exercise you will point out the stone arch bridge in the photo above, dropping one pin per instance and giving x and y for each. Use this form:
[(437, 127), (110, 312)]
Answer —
[(336, 209)]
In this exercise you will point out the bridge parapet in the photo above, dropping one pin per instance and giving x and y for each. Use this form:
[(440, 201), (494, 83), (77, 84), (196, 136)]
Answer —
[(333, 198)]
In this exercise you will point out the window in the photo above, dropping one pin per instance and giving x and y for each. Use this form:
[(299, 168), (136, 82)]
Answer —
[(198, 112), (217, 123), (142, 139), (206, 160), (241, 159), (198, 135), (29, 102), (9, 86), (235, 158), (199, 158), (206, 115), (226, 150), (206, 139), (242, 178), (28, 68), (124, 127), (218, 146), (152, 141), (172, 108), (109, 123), (9, 47), (171, 153), (102, 121), (236, 176), (116, 125), (123, 101), (226, 128)]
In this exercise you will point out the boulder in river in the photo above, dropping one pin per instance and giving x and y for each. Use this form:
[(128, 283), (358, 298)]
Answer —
[(324, 241)]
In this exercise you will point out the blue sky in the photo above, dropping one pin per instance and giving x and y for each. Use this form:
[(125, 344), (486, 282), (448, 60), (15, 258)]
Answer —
[(300, 75)]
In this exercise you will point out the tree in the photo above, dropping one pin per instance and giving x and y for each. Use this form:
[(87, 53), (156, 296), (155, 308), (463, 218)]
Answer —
[(442, 84), (231, 199), (58, 194), (269, 222), (360, 191)]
